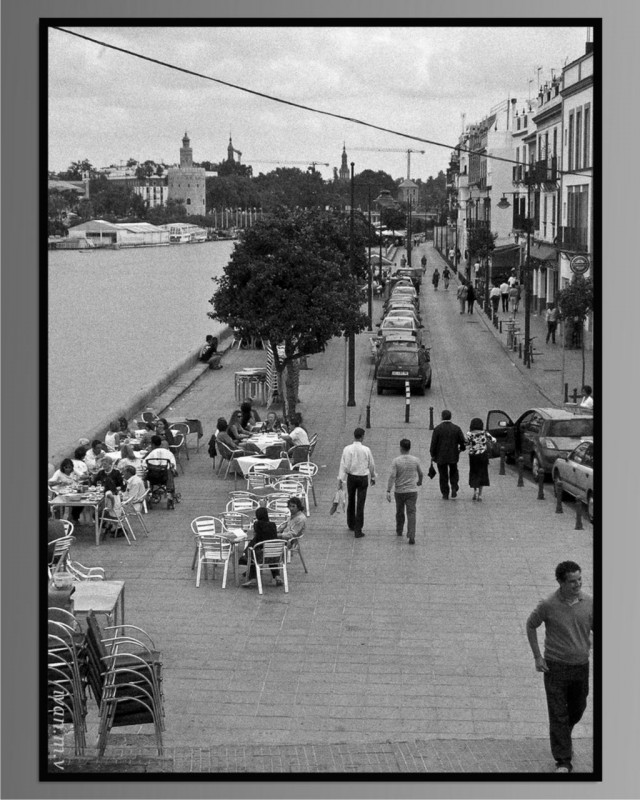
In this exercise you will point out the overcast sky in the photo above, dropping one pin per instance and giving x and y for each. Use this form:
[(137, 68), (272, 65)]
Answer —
[(107, 106)]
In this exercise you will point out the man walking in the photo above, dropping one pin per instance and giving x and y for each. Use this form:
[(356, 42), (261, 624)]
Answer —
[(461, 294), (447, 442), (552, 322), (406, 475), (504, 294), (568, 618), (356, 468)]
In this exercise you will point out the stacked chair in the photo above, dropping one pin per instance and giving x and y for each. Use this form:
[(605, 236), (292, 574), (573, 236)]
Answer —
[(124, 672)]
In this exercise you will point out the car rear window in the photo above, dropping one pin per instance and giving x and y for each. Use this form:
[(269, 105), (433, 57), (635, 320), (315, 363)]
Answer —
[(571, 427), (399, 358)]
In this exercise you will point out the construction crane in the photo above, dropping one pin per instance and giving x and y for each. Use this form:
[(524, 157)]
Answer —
[(309, 164), (390, 150)]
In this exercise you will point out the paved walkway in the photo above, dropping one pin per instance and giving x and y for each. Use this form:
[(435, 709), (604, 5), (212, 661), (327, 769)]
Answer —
[(384, 658)]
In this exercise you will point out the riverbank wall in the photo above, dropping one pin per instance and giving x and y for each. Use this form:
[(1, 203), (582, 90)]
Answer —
[(189, 369)]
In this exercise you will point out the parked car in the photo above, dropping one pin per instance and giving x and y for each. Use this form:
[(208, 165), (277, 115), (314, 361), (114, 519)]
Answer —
[(400, 362), (540, 435), (575, 471), (404, 311), (401, 323)]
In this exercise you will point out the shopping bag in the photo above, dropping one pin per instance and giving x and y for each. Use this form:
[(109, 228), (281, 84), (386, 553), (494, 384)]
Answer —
[(432, 471), (339, 502)]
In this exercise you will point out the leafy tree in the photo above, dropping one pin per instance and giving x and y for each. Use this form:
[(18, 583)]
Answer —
[(292, 280), (433, 194), (369, 184), (77, 169), (575, 303), (173, 211), (393, 218), (481, 243), (226, 168)]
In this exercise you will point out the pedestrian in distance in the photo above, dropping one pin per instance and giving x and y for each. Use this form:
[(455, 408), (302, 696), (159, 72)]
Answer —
[(514, 296), (406, 475), (494, 296), (357, 468), (551, 318), (458, 256), (447, 442), (567, 615), (446, 277), (461, 294), (452, 254), (423, 262), (477, 440), (403, 261), (504, 294), (476, 270), (208, 348), (435, 280), (471, 297)]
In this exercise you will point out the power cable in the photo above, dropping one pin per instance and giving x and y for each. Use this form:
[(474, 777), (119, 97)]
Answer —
[(356, 121)]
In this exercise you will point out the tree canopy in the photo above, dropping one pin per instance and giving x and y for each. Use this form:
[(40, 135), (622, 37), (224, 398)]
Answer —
[(293, 280)]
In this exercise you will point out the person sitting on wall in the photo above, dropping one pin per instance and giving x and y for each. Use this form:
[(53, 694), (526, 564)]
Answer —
[(208, 348)]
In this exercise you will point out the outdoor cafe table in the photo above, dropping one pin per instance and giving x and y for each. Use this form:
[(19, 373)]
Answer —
[(101, 597), (92, 500)]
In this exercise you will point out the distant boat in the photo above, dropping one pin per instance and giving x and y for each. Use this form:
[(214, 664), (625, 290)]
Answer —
[(184, 233)]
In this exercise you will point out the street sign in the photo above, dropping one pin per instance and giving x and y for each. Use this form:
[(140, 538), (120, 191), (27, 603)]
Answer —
[(579, 265)]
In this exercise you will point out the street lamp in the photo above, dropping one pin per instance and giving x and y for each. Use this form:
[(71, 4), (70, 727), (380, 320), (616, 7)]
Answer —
[(504, 203), (351, 380)]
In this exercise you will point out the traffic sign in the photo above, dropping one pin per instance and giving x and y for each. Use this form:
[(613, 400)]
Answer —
[(579, 265)]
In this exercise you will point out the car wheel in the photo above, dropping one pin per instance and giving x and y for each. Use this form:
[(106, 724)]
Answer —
[(420, 391), (590, 506), (379, 388), (536, 467)]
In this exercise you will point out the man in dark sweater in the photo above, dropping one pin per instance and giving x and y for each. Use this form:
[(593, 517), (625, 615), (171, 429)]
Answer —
[(447, 442), (568, 618)]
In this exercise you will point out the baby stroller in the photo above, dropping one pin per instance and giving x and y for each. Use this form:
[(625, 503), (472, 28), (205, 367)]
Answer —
[(161, 482)]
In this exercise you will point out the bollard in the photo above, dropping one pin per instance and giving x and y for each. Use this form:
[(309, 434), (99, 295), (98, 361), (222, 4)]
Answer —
[(566, 393), (495, 322), (500, 326), (558, 491), (578, 515), (407, 400), (541, 485), (502, 461), (520, 470), (430, 418), (519, 349), (368, 422)]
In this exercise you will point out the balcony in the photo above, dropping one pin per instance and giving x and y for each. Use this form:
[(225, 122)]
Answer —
[(573, 239), (545, 171), (477, 224), (522, 223)]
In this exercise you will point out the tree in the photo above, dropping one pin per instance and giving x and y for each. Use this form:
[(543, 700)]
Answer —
[(481, 243), (393, 218), (575, 303), (292, 281)]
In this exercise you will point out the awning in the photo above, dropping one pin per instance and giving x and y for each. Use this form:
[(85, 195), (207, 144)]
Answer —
[(544, 252), (505, 256)]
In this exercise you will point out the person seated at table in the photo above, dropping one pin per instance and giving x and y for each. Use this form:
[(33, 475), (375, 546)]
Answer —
[(155, 457), (94, 455), (237, 431), (108, 476), (225, 437), (249, 417), (127, 458), (272, 423), (263, 530), (163, 430), (79, 465), (134, 487), (149, 433), (294, 526), (66, 478), (124, 431), (112, 436), (298, 434)]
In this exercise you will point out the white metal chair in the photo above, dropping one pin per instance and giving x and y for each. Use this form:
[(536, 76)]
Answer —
[(178, 444), (278, 503), (131, 509), (212, 551), (119, 519), (293, 546), (60, 550), (182, 429), (205, 524), (258, 475), (246, 505), (268, 554), (227, 454), (288, 486), (306, 470), (236, 519)]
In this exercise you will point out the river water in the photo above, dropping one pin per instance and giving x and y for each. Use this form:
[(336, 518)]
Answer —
[(118, 320)]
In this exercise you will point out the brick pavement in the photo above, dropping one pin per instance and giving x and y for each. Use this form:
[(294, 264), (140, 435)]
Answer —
[(384, 658)]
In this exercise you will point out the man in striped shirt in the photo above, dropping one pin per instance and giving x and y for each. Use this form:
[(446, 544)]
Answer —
[(356, 468)]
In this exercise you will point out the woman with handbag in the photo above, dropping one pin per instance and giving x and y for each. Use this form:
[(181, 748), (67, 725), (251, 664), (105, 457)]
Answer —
[(478, 442)]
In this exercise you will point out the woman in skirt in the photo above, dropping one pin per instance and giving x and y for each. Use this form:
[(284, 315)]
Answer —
[(477, 440)]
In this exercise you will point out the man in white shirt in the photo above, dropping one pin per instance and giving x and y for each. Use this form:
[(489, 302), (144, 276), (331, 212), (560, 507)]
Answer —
[(158, 457), (504, 294), (356, 468), (587, 397)]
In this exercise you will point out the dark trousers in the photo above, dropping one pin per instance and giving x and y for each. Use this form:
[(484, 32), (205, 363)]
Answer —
[(406, 500), (448, 474), (551, 332), (505, 302), (495, 302), (470, 306), (567, 687), (356, 496)]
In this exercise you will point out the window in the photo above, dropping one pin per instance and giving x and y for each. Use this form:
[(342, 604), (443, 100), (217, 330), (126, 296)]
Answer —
[(587, 136), (555, 141), (579, 139), (544, 217), (188, 201), (570, 163), (553, 216)]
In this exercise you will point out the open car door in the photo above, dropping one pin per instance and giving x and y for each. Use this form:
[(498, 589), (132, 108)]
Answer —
[(500, 426)]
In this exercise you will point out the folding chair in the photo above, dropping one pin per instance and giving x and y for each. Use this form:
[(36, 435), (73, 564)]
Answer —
[(268, 554)]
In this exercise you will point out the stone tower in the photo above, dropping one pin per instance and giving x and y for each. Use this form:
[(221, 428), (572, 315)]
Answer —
[(344, 167), (186, 182)]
